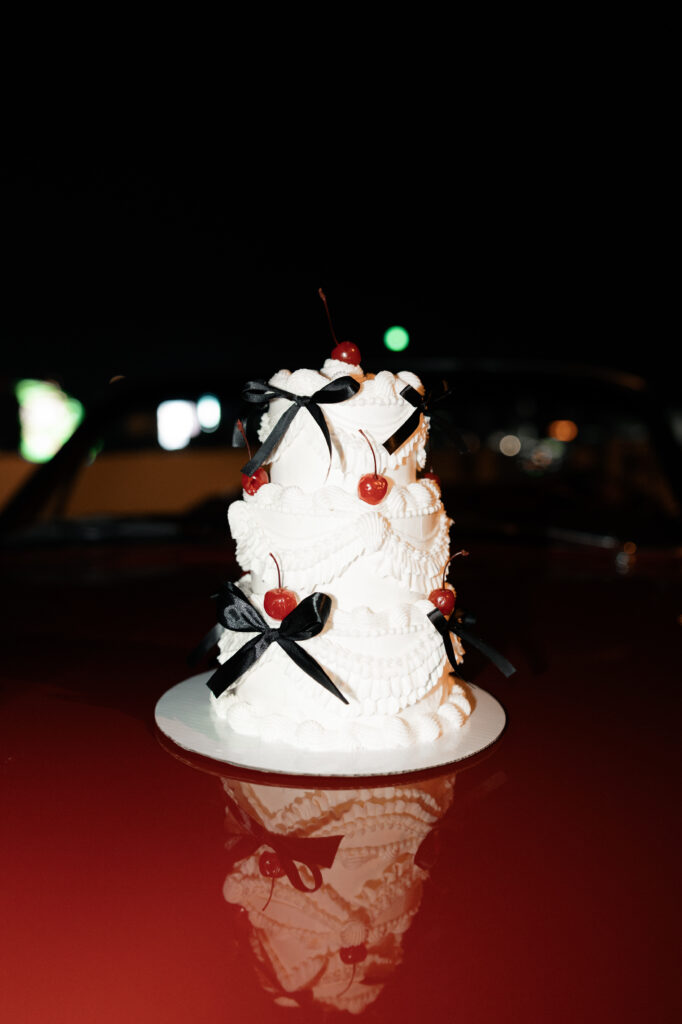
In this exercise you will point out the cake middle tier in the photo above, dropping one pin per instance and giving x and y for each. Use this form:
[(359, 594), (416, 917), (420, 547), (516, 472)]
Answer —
[(333, 541)]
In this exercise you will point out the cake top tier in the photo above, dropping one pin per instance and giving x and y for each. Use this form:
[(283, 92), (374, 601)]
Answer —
[(378, 408)]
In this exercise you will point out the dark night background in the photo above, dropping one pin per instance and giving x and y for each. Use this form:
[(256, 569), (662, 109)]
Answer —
[(114, 265)]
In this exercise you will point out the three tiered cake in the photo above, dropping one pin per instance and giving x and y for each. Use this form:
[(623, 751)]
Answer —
[(335, 637)]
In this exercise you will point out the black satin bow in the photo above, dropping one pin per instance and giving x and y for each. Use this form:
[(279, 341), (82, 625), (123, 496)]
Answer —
[(236, 613), (423, 406), (258, 392), (315, 852), (447, 626)]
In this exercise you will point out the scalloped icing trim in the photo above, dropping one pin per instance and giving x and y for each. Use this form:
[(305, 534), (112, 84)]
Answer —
[(422, 712), (372, 733), (373, 685), (319, 561), (359, 813)]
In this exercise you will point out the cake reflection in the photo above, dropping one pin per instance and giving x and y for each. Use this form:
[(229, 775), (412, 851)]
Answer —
[(331, 880)]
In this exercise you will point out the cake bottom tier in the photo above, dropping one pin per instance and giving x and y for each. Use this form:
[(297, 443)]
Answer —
[(270, 706)]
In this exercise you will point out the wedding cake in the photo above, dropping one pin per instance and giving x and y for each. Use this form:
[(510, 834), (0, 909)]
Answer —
[(336, 636)]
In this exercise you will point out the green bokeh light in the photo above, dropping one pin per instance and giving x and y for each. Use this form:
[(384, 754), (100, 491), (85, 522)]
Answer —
[(48, 418), (396, 339)]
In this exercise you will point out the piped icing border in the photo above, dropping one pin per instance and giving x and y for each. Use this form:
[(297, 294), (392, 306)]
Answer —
[(314, 561)]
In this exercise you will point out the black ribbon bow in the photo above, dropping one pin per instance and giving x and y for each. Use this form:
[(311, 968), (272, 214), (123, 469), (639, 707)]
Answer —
[(423, 406), (315, 852), (447, 626), (259, 392), (236, 613)]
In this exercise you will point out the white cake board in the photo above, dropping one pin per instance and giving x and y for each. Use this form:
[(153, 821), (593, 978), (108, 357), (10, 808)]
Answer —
[(184, 715)]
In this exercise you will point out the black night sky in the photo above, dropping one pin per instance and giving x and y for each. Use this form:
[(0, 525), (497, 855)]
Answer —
[(119, 267)]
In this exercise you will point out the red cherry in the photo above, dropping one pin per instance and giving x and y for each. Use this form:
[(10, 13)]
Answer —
[(431, 476), (279, 601), (372, 488), (353, 954), (251, 483), (347, 352), (444, 600), (269, 865)]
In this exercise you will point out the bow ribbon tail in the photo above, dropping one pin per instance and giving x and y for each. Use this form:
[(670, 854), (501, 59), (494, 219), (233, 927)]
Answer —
[(271, 441), (227, 673), (309, 665), (315, 852), (404, 431), (205, 645), (441, 624), (318, 416), (498, 660)]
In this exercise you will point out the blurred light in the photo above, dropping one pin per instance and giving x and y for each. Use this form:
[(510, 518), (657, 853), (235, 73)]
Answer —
[(629, 547), (119, 376), (396, 339), (48, 418), (510, 444), (208, 413), (176, 424), (562, 430)]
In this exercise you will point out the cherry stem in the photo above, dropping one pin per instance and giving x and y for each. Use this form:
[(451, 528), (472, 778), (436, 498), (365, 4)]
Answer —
[(331, 326), (352, 975), (371, 448), (272, 889), (279, 574), (464, 554), (240, 428)]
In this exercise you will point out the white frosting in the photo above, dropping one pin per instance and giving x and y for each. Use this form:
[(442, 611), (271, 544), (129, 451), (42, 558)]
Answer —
[(378, 564)]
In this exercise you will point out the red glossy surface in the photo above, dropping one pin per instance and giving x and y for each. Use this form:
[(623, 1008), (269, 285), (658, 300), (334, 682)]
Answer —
[(547, 891), (372, 488), (347, 352)]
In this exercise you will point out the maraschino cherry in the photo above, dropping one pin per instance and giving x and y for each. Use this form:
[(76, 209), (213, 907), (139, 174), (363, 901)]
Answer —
[(443, 598), (372, 488), (279, 601), (344, 351), (251, 483)]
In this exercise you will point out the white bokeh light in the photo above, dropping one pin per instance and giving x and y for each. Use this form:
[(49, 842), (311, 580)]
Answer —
[(510, 445), (176, 424), (208, 412)]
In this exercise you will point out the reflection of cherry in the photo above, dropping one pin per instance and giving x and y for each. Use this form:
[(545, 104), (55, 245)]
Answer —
[(279, 601), (345, 351), (372, 488), (443, 598), (270, 867), (251, 483), (353, 954)]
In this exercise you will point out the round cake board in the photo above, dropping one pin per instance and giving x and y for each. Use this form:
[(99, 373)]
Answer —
[(183, 714)]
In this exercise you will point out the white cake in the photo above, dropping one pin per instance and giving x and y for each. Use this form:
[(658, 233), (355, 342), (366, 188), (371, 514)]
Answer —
[(333, 940), (377, 563)]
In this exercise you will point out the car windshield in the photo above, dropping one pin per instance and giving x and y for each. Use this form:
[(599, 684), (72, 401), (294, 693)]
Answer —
[(523, 452)]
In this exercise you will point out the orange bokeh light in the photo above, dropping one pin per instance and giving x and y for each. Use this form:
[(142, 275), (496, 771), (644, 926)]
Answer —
[(562, 430)]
